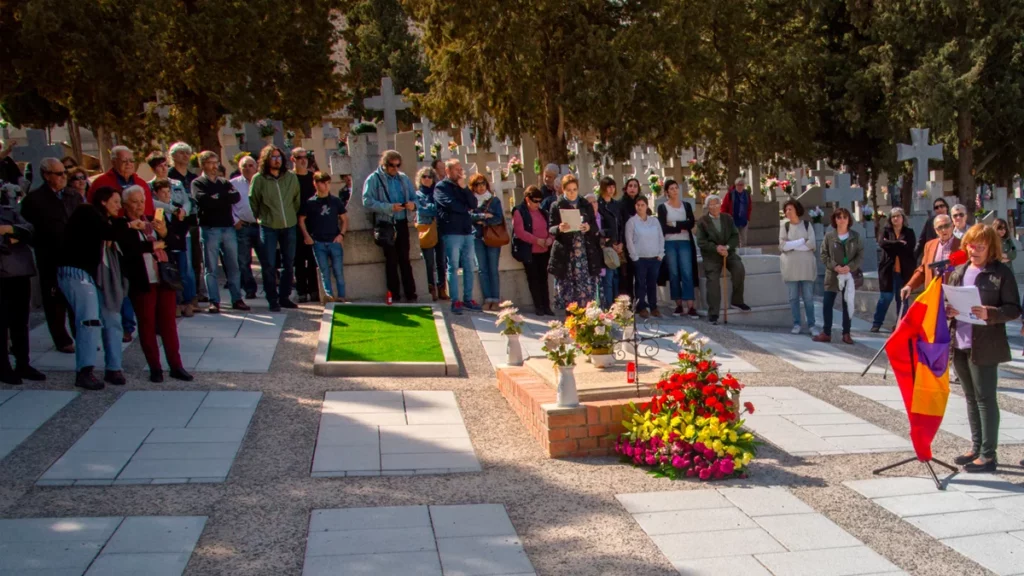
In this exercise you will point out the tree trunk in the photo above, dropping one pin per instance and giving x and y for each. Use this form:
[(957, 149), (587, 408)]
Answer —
[(208, 124), (76, 141), (105, 142), (907, 190), (965, 158)]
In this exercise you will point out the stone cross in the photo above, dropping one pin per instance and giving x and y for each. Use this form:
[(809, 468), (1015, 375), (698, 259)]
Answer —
[(528, 155), (33, 151), (498, 183), (426, 128), (842, 193), (920, 152), (998, 203), (443, 139), (389, 103), (822, 174)]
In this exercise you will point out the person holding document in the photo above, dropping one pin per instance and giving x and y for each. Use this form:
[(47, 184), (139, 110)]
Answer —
[(978, 349), (576, 258), (896, 265), (842, 251), (799, 264)]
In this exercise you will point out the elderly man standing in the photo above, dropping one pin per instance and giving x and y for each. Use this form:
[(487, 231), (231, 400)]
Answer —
[(181, 155), (388, 194), (123, 175), (740, 206), (47, 209), (717, 238), (216, 197), (936, 250), (274, 200), (549, 188), (246, 227)]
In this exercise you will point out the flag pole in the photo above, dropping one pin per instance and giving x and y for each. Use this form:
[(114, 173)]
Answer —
[(886, 343)]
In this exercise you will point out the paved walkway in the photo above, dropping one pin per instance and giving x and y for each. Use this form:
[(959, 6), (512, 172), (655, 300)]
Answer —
[(749, 532), (99, 546), (392, 433), (979, 517), (468, 540), (159, 438), (24, 411), (1011, 426)]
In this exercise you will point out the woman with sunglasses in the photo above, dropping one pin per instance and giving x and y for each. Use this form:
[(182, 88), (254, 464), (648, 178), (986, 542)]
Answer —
[(78, 180), (978, 349), (1008, 245), (531, 245), (842, 251), (426, 216), (928, 233), (959, 212)]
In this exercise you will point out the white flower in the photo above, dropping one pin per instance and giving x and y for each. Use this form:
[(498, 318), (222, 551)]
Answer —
[(599, 330), (592, 314), (506, 303), (517, 318)]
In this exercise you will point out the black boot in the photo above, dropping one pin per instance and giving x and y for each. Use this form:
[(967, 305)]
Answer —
[(27, 372), (85, 379), (156, 376), (115, 377), (180, 374), (9, 376)]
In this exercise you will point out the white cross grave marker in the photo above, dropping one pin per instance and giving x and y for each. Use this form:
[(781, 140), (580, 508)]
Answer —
[(920, 152), (822, 174), (842, 193), (389, 103), (33, 151), (426, 128)]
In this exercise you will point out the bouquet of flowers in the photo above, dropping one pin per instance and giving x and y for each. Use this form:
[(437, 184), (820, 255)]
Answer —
[(536, 165), (363, 128), (787, 187), (452, 146), (558, 345), (622, 311), (655, 182), (867, 212), (704, 179), (922, 194), (693, 427), (419, 150), (265, 128), (768, 185), (515, 165), (435, 150), (816, 214), (343, 147), (591, 328), (509, 318)]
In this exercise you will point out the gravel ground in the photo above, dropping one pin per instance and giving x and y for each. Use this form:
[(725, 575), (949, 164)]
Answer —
[(563, 510)]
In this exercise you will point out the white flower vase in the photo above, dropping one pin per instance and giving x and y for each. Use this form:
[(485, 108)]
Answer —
[(567, 395), (515, 350), (268, 140), (602, 361)]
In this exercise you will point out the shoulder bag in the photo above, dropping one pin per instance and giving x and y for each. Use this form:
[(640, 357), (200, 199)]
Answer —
[(383, 229), (428, 235), (496, 235)]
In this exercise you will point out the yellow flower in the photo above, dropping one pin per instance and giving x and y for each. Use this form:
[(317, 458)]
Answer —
[(732, 450), (746, 458), (732, 436), (690, 431)]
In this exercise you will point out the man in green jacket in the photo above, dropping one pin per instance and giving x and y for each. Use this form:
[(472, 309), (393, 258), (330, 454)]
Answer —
[(717, 238), (274, 199)]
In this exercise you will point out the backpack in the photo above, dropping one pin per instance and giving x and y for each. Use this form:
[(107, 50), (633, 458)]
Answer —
[(807, 226)]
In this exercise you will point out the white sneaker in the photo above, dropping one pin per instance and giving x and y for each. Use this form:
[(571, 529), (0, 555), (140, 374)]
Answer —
[(814, 331), (795, 330)]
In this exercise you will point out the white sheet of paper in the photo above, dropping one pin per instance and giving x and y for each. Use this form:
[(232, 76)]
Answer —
[(963, 298), (571, 216), (798, 244)]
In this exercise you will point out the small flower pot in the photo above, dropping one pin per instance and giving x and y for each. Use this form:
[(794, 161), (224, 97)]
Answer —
[(602, 360), (515, 350), (567, 395)]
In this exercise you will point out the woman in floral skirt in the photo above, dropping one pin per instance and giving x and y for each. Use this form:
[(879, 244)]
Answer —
[(576, 258)]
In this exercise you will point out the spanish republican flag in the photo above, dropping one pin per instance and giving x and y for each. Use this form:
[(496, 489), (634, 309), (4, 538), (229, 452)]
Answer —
[(919, 355)]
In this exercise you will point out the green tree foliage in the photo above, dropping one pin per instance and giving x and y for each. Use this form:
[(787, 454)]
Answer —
[(380, 43)]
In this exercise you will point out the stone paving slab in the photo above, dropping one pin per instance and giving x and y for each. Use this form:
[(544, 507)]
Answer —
[(159, 437), (495, 344), (374, 433), (464, 540), (808, 355), (1011, 426), (22, 412), (45, 357), (151, 545), (749, 531), (976, 516), (806, 426)]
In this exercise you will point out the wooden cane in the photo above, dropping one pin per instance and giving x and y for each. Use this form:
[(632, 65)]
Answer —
[(725, 303)]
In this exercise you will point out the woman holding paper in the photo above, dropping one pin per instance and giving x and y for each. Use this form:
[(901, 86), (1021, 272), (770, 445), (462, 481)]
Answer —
[(842, 252), (978, 349), (576, 258), (488, 213), (897, 265), (799, 264)]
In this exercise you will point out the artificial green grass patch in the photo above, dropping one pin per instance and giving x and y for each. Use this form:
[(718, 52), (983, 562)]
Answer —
[(384, 334)]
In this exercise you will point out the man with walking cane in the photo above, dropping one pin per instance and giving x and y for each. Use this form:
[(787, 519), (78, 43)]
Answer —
[(717, 239)]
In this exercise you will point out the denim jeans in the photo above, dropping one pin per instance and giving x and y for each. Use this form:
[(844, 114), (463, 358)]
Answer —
[(609, 284), (248, 240), (271, 238), (128, 321), (183, 259), (680, 269), (801, 289), (458, 250), (329, 259), (437, 265), (487, 263), (647, 283), (95, 323), (829, 304), (886, 298), (215, 241)]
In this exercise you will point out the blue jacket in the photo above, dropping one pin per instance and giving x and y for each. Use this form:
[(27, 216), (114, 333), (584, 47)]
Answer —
[(454, 205), (493, 207), (426, 209), (378, 201)]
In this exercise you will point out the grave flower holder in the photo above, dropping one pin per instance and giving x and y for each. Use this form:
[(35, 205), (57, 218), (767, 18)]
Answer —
[(511, 323), (514, 350)]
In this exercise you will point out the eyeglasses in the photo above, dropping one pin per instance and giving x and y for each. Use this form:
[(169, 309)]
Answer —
[(426, 177), (81, 177), (52, 173), (533, 200), (943, 226), (939, 207), (977, 247), (276, 157), (393, 165), (297, 158), (961, 215)]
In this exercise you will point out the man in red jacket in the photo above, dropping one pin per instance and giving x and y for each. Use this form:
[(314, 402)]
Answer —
[(123, 175), (738, 204)]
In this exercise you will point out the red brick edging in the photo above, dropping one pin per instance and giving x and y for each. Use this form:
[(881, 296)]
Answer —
[(586, 430)]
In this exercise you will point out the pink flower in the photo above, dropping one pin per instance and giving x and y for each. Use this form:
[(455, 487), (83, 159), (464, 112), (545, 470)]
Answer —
[(727, 466), (677, 462), (651, 459), (705, 474), (690, 473)]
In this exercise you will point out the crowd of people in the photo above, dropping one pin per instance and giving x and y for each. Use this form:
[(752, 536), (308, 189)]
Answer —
[(119, 254)]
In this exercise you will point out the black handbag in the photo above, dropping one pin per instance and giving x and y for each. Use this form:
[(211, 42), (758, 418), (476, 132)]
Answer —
[(170, 276), (384, 234)]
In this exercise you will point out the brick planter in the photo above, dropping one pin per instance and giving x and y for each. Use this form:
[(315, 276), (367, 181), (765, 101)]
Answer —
[(587, 430)]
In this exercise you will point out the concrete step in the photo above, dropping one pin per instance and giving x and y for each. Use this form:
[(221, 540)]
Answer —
[(759, 290)]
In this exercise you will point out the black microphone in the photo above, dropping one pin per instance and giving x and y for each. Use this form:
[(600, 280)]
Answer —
[(940, 265)]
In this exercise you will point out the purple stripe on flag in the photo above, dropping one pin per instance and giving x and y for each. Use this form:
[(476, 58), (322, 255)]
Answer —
[(934, 355)]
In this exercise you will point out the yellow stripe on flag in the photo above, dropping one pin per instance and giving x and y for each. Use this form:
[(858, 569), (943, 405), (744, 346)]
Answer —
[(930, 393)]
